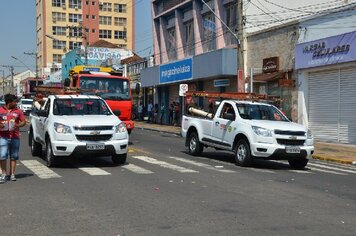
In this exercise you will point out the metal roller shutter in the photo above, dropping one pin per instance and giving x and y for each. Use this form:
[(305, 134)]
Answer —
[(347, 130), (323, 103)]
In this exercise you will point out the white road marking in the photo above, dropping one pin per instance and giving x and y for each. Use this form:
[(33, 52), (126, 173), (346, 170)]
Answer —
[(136, 169), (261, 170), (326, 171), (301, 171), (346, 166), (92, 170), (332, 168), (165, 164), (202, 165), (42, 171)]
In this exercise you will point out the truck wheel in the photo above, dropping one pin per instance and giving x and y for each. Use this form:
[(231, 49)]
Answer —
[(119, 159), (298, 163), (36, 148), (50, 158), (195, 147), (243, 153)]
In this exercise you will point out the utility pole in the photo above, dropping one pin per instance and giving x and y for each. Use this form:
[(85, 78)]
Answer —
[(240, 47), (3, 82), (11, 68), (34, 54)]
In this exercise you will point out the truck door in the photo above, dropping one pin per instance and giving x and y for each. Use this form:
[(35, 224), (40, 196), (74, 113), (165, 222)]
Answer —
[(43, 120), (223, 126)]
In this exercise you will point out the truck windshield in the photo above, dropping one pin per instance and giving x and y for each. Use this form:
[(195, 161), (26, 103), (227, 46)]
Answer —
[(260, 112), (108, 88), (79, 106)]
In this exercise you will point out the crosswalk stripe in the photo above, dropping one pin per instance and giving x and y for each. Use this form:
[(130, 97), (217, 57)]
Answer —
[(42, 171), (326, 171), (201, 165), (345, 166), (136, 169), (92, 170), (332, 168), (164, 164), (261, 170), (301, 171)]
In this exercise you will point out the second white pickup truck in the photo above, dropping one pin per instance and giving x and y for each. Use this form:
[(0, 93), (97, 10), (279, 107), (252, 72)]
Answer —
[(251, 130), (69, 125)]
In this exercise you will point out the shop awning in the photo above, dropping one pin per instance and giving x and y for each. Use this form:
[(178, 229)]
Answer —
[(266, 77)]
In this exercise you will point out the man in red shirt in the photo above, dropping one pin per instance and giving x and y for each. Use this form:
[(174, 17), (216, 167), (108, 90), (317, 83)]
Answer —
[(11, 119)]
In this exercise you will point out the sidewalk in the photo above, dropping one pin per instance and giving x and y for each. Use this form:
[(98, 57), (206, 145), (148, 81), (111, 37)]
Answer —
[(341, 153)]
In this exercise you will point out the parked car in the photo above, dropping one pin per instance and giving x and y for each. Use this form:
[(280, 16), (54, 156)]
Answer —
[(25, 104)]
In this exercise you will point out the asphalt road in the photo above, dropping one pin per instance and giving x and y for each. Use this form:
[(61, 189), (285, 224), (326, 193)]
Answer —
[(161, 190)]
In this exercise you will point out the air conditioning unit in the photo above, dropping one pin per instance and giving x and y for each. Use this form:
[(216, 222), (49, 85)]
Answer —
[(54, 20), (101, 3), (64, 6), (76, 8)]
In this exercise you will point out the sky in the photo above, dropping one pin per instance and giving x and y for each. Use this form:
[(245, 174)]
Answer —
[(18, 32)]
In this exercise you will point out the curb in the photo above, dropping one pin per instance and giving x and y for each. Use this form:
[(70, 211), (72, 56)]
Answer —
[(157, 130), (333, 159)]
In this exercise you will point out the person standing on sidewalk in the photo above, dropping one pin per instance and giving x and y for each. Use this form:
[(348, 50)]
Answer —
[(11, 119)]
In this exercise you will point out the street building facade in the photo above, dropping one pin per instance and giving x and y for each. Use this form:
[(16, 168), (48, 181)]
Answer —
[(326, 64), (191, 46), (64, 25)]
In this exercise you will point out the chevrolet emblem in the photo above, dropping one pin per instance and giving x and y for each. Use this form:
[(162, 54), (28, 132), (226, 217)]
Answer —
[(293, 137), (95, 132)]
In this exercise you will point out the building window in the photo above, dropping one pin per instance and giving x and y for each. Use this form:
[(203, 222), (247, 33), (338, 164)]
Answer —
[(189, 38), (59, 44), (120, 34), (122, 46), (93, 17), (57, 30), (171, 44), (76, 4), (105, 20), (86, 2), (120, 8), (75, 17), (105, 34), (87, 16), (93, 3), (231, 22), (57, 58), (75, 32), (58, 16), (74, 45), (209, 37), (93, 30), (120, 21), (105, 6), (58, 3)]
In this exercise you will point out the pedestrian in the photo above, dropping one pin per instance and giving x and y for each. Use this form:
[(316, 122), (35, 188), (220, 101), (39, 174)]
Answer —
[(38, 103), (155, 113), (171, 108), (161, 113), (11, 119), (139, 111), (176, 110), (174, 113), (149, 111)]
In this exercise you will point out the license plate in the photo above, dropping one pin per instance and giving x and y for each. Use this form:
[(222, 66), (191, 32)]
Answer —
[(292, 149), (96, 146)]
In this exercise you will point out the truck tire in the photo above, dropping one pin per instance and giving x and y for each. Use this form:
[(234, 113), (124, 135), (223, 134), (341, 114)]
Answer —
[(36, 147), (50, 157), (119, 159), (243, 153), (195, 147), (298, 163)]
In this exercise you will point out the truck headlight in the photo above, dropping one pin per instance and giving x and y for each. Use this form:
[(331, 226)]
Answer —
[(309, 134), (120, 128), (262, 131), (62, 129)]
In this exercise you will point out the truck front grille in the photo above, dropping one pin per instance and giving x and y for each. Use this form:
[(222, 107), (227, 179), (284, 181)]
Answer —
[(288, 142), (86, 128), (100, 137), (287, 132)]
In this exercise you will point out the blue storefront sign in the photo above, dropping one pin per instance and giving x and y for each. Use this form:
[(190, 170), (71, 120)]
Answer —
[(327, 51), (177, 71), (221, 83)]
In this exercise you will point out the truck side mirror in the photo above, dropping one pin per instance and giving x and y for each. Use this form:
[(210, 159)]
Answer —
[(42, 113), (117, 112), (66, 82)]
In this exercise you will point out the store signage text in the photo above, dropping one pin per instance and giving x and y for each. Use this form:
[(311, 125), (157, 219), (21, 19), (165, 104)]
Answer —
[(177, 71), (321, 49), (270, 64)]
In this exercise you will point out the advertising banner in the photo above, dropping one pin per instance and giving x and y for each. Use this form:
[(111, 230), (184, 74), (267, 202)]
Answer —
[(327, 51)]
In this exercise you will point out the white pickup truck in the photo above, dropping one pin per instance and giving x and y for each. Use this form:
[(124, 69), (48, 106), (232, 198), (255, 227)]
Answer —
[(70, 125), (251, 130)]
